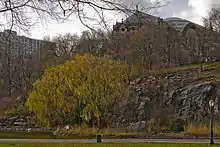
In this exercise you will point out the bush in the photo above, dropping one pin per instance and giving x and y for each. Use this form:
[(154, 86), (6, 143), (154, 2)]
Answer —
[(177, 125)]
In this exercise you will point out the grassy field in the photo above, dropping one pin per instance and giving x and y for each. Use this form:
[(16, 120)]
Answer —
[(102, 145)]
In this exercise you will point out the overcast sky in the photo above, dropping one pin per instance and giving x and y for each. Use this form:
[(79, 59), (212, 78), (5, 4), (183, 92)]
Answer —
[(192, 10)]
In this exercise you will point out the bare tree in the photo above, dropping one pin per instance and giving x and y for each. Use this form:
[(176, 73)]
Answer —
[(94, 42), (24, 14), (210, 36), (155, 46), (13, 67), (65, 44), (90, 41), (213, 18)]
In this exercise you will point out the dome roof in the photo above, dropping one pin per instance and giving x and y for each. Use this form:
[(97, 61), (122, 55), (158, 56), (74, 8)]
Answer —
[(177, 23), (175, 19)]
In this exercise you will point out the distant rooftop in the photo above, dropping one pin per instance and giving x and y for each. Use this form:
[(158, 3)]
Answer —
[(175, 19), (139, 16), (177, 23), (16, 35)]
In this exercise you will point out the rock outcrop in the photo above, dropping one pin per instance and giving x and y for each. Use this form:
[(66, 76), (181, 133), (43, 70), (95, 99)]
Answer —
[(182, 95)]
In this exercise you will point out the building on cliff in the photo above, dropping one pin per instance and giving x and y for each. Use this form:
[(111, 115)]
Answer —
[(135, 22), (196, 41)]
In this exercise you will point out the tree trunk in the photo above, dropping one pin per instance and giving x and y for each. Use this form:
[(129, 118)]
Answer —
[(99, 125)]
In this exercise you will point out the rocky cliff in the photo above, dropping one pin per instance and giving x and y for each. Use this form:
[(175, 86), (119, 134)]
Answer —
[(162, 97)]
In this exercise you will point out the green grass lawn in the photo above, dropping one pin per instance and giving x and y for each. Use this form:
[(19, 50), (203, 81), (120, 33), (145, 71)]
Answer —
[(102, 145)]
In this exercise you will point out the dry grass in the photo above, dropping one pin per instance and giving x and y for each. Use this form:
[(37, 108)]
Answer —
[(206, 66), (202, 130), (85, 132)]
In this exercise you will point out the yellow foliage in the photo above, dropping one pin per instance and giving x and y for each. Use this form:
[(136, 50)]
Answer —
[(87, 80)]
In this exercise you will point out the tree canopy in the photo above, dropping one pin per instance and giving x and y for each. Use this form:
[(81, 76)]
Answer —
[(77, 89)]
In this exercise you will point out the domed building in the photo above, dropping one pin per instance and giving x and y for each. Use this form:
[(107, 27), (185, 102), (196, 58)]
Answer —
[(177, 23), (197, 40), (189, 30), (135, 21)]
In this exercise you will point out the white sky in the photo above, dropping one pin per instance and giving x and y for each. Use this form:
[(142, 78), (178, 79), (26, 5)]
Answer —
[(192, 10)]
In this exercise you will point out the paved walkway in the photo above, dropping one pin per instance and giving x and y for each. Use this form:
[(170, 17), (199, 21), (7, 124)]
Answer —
[(109, 140)]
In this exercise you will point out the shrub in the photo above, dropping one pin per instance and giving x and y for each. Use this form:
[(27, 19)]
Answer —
[(177, 125)]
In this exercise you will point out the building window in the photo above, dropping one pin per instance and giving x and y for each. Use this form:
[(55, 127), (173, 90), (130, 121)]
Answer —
[(38, 44), (122, 29)]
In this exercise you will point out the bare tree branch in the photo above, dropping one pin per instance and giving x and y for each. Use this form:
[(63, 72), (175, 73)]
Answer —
[(22, 13)]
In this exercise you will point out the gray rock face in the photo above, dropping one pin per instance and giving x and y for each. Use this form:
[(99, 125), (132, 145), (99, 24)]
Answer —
[(177, 96), (138, 126), (133, 109), (191, 102)]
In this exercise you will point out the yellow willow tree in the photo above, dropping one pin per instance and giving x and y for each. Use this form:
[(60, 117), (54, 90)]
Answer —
[(87, 81)]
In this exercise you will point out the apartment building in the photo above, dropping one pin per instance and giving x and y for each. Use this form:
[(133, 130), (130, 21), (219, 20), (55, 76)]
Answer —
[(16, 45)]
